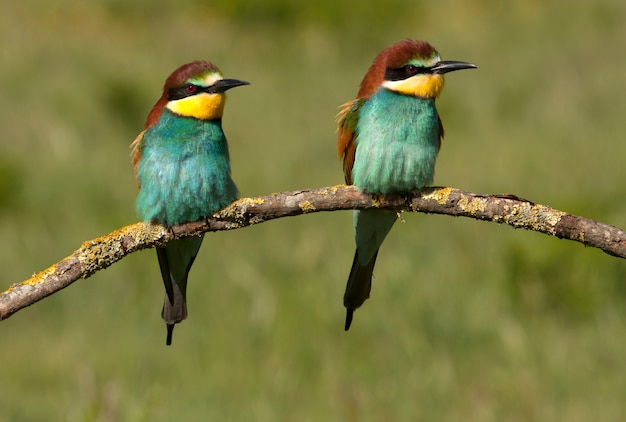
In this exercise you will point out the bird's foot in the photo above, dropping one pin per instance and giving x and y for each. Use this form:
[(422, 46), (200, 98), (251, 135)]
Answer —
[(170, 230), (408, 203)]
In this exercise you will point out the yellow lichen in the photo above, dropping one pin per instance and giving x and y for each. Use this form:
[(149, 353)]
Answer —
[(239, 208), (306, 206), (552, 216), (39, 277), (438, 195), (536, 217), (252, 222), (377, 200), (471, 205), (248, 201)]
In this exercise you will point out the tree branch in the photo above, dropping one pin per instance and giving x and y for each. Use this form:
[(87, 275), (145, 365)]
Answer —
[(98, 254)]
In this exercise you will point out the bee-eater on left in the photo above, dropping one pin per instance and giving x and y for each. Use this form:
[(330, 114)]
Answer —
[(182, 167), (389, 138)]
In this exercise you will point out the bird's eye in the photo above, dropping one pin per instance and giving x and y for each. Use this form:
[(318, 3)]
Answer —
[(190, 89), (411, 69)]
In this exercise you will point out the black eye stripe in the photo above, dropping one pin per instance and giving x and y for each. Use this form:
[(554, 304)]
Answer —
[(184, 91), (404, 72)]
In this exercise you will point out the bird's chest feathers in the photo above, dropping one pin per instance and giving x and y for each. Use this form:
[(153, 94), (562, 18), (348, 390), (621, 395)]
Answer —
[(203, 106), (397, 141), (184, 171)]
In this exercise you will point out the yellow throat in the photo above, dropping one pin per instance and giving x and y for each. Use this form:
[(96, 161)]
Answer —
[(423, 86), (202, 106)]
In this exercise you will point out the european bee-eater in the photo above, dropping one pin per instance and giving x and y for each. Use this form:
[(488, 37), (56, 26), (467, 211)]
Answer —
[(182, 167), (389, 137)]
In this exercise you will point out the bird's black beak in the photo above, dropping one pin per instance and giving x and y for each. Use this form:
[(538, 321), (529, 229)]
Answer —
[(226, 84), (450, 66)]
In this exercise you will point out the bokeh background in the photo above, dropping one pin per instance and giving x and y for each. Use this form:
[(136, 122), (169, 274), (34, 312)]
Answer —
[(467, 320)]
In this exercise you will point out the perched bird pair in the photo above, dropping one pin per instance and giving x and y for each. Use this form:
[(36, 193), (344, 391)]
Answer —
[(389, 137)]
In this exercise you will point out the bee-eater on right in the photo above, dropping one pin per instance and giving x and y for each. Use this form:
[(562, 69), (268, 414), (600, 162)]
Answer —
[(388, 139)]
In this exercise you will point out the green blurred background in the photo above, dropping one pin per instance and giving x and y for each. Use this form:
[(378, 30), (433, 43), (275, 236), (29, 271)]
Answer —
[(467, 321)]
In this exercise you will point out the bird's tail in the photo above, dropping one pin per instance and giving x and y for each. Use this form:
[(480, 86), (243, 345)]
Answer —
[(358, 287), (174, 312), (175, 261), (370, 229)]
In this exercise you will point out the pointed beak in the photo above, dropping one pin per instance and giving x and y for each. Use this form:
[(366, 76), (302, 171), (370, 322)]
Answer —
[(226, 84), (450, 66)]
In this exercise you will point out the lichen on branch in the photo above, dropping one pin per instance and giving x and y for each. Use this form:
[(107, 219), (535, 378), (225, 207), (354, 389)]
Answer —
[(102, 252)]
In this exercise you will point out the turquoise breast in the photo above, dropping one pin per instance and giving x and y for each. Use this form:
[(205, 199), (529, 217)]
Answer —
[(397, 141), (184, 170)]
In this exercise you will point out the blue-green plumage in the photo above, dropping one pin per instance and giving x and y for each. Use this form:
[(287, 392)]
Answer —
[(182, 168), (397, 140), (184, 174), (184, 171), (389, 137)]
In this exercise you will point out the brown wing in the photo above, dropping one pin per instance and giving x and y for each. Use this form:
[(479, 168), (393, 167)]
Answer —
[(153, 118), (135, 153), (347, 120)]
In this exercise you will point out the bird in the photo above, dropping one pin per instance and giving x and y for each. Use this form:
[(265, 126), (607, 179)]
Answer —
[(388, 139), (182, 168)]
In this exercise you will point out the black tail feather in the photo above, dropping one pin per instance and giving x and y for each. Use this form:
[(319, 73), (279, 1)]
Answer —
[(358, 287), (349, 314), (165, 273), (170, 331)]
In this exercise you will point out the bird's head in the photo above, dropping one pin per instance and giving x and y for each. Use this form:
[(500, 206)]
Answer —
[(196, 90), (410, 68)]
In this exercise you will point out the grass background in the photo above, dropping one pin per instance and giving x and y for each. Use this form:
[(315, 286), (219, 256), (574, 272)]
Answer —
[(467, 321)]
